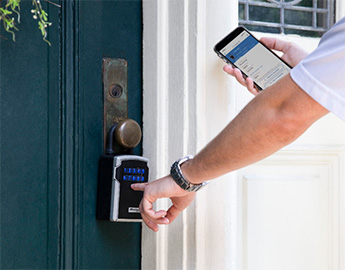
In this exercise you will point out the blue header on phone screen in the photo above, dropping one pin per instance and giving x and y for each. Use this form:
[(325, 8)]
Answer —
[(242, 48)]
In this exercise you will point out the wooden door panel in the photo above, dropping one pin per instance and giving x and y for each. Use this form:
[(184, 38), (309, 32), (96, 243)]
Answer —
[(29, 146), (51, 137), (114, 31)]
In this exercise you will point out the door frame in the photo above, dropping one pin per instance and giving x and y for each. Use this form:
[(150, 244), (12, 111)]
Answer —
[(183, 96)]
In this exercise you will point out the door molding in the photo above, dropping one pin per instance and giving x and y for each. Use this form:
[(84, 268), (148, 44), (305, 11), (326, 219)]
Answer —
[(71, 139), (320, 171), (185, 104)]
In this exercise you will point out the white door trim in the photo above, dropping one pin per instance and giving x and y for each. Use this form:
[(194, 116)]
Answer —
[(186, 103)]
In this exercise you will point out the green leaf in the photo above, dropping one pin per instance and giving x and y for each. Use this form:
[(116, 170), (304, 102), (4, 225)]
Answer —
[(41, 27), (15, 4), (44, 15), (5, 11)]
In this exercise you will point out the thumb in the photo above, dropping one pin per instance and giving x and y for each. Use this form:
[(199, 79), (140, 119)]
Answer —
[(275, 44)]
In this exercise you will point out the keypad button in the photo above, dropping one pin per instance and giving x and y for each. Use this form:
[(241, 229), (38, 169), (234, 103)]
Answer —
[(133, 174)]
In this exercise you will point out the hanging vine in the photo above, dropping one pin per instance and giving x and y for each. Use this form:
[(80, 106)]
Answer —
[(10, 16)]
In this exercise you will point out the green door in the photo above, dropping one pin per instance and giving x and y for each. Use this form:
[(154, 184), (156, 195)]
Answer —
[(51, 136)]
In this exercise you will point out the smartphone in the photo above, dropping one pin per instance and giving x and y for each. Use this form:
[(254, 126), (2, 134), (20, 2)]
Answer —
[(242, 50)]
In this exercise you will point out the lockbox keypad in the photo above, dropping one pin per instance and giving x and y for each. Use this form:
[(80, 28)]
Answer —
[(133, 174)]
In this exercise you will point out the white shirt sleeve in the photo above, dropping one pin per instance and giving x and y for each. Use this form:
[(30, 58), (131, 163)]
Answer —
[(322, 73)]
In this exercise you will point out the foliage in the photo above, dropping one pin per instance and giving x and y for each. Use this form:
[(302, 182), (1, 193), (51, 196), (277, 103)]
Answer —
[(12, 8)]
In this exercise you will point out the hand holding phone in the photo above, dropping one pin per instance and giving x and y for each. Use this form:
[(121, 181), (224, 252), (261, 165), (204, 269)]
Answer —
[(243, 51), (245, 81)]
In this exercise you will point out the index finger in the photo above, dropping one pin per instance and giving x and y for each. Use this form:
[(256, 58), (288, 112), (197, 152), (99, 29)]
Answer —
[(139, 187)]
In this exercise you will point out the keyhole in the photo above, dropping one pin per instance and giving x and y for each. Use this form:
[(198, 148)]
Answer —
[(116, 90)]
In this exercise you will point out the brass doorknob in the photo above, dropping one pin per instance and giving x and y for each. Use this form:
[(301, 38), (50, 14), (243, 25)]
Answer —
[(128, 133)]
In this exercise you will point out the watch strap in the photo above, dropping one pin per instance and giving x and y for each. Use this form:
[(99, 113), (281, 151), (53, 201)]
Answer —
[(179, 178)]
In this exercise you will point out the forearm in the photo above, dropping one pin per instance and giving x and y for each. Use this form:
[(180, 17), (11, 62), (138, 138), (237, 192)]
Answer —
[(273, 119)]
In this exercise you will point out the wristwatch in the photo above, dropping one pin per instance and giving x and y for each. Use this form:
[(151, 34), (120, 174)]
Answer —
[(179, 178)]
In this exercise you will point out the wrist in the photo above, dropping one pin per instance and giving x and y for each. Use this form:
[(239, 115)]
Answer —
[(188, 170), (180, 179)]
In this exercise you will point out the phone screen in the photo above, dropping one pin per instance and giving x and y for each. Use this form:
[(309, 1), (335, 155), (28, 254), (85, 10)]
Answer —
[(255, 60)]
